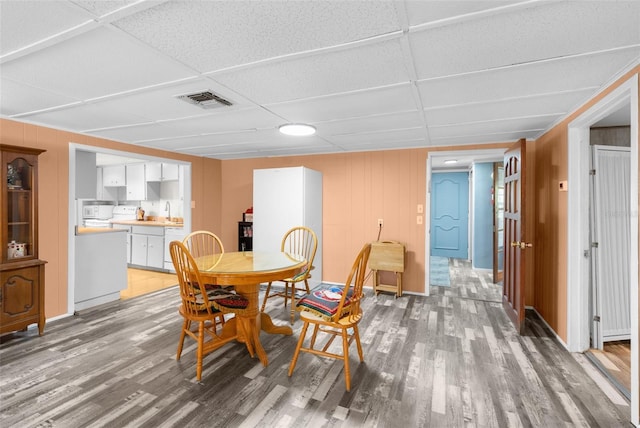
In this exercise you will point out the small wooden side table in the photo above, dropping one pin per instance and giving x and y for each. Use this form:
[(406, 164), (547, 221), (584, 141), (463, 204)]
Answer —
[(387, 256)]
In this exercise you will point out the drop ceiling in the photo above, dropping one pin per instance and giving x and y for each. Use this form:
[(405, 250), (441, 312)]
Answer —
[(369, 75)]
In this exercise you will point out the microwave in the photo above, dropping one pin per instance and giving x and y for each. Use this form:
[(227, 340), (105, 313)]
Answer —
[(101, 212)]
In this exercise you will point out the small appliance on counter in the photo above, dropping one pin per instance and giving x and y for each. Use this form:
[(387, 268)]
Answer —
[(139, 214), (97, 215), (125, 213)]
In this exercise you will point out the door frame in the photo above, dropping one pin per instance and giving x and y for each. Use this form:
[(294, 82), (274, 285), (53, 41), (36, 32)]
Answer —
[(484, 155), (578, 265), (71, 241)]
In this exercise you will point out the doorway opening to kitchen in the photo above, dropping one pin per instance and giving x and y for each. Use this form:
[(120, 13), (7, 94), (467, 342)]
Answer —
[(130, 187)]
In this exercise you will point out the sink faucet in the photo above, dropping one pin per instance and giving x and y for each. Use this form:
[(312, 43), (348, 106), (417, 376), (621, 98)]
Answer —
[(167, 208)]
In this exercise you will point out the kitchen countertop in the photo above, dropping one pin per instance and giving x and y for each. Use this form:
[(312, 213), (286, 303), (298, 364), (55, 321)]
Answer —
[(81, 230), (148, 223)]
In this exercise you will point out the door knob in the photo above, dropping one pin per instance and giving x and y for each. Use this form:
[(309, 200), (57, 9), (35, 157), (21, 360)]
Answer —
[(521, 245)]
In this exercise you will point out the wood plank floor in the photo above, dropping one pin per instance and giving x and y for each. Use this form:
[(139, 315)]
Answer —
[(615, 359), (448, 360)]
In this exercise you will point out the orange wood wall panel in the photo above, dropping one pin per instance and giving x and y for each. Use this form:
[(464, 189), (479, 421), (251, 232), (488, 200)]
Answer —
[(551, 220)]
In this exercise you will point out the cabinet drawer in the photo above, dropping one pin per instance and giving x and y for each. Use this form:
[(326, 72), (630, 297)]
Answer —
[(148, 230)]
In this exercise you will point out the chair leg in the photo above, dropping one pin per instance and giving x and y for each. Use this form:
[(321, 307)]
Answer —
[(316, 327), (199, 352), (185, 326), (294, 360), (356, 334), (293, 302), (266, 297), (345, 356)]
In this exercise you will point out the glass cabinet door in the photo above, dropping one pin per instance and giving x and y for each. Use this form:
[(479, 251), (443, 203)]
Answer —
[(20, 230)]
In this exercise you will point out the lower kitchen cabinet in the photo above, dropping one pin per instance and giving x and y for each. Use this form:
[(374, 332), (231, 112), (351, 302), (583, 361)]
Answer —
[(147, 246)]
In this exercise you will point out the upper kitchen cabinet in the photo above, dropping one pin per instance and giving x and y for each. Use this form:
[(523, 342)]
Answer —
[(157, 171), (86, 179), (138, 188), (106, 193), (115, 175)]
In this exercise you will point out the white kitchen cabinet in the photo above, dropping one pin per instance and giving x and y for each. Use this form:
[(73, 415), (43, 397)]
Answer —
[(170, 171), (153, 171), (284, 198), (136, 183), (156, 171), (147, 246), (85, 175), (138, 188), (106, 193), (114, 175)]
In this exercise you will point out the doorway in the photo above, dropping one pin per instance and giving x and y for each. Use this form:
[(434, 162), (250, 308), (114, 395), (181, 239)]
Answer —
[(443, 161), (150, 282), (622, 102)]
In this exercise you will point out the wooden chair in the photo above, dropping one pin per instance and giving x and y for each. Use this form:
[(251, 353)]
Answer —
[(301, 241), (203, 243), (334, 310), (197, 308)]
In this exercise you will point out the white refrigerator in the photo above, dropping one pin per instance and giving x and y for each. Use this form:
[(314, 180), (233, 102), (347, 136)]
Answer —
[(284, 198)]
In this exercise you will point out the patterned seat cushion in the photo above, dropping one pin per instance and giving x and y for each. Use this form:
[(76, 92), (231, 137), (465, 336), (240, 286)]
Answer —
[(323, 301), (224, 296)]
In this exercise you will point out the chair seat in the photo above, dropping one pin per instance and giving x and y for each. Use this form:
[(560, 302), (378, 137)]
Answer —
[(323, 301), (346, 321), (225, 296)]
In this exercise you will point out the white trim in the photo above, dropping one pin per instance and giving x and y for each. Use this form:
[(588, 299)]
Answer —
[(558, 338), (578, 227)]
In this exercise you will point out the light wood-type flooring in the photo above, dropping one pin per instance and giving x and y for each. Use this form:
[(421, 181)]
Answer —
[(141, 281), (615, 359), (448, 360)]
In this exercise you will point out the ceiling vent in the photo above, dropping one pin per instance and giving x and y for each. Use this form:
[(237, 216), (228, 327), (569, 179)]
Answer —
[(205, 99)]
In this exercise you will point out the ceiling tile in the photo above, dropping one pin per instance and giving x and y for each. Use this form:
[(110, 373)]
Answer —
[(499, 137), (562, 75), (215, 35), (101, 7), (320, 74), (161, 103), (386, 137), (84, 115), (391, 99), (553, 104), (101, 62), (381, 122), (545, 31), (486, 128), (420, 12), (25, 22), (18, 98)]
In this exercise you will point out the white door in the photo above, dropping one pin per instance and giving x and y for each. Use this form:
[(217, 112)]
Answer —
[(610, 237)]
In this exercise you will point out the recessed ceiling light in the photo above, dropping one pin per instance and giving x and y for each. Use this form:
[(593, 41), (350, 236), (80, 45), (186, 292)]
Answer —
[(451, 161), (297, 129)]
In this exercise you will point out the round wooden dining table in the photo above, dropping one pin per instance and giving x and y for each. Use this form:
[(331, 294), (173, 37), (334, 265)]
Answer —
[(246, 270)]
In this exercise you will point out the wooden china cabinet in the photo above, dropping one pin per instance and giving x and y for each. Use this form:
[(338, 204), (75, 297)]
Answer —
[(21, 272)]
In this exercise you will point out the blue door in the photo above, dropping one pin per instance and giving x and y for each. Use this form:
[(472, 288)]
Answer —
[(450, 214)]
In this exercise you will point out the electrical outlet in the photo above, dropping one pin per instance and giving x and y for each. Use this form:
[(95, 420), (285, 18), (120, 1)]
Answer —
[(419, 219), (380, 222)]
